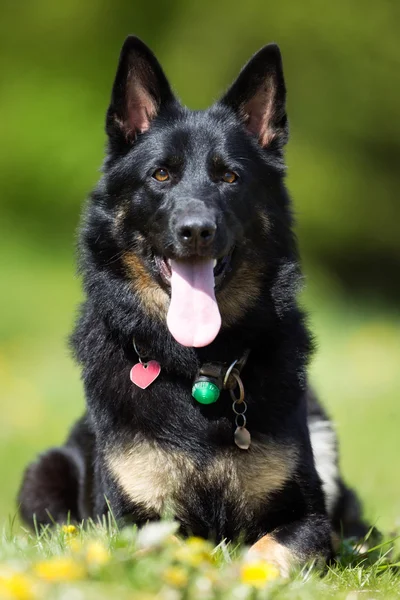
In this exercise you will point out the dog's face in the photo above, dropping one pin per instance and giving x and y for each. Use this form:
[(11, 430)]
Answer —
[(191, 196)]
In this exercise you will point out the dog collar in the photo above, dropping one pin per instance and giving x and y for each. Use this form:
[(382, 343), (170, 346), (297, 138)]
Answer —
[(214, 377), (211, 378)]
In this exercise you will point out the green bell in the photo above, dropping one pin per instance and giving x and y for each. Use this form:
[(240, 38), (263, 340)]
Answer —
[(205, 392)]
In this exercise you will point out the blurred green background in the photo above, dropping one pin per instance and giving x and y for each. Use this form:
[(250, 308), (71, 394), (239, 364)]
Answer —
[(342, 65)]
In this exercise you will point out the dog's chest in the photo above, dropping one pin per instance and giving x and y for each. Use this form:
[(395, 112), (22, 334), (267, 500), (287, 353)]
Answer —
[(172, 481)]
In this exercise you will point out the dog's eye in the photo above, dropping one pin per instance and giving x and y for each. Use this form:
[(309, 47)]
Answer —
[(229, 177), (161, 175)]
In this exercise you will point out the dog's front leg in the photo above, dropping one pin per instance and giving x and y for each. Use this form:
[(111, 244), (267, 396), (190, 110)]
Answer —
[(293, 545)]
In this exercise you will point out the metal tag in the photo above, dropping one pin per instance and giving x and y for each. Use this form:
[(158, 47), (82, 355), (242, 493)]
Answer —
[(242, 438)]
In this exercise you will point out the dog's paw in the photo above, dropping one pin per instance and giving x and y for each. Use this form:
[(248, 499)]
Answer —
[(269, 550)]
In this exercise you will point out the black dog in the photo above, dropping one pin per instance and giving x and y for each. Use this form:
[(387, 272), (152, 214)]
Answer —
[(189, 261)]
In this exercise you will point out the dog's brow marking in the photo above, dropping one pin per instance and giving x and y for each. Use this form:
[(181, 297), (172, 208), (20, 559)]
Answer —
[(157, 479), (241, 293), (153, 298)]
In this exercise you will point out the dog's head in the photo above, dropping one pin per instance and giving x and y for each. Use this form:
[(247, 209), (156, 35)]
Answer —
[(193, 199)]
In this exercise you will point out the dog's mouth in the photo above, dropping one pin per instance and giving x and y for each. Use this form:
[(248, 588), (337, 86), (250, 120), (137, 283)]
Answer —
[(220, 268), (193, 317)]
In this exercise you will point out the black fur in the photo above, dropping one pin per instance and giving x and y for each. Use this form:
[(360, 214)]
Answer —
[(130, 213)]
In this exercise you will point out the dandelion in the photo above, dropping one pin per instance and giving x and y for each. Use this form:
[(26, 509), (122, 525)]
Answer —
[(198, 543), (69, 530), (97, 554), (175, 576), (59, 568), (194, 552), (16, 586), (258, 573)]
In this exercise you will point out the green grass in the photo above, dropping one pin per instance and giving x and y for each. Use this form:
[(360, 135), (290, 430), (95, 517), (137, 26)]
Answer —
[(355, 372), (101, 561)]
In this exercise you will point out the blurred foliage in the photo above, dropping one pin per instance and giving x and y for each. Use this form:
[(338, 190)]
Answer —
[(57, 63)]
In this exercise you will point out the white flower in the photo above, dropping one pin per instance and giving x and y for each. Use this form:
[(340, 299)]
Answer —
[(154, 534)]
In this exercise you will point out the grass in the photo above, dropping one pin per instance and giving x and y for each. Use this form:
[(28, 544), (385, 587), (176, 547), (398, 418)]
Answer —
[(357, 376), (100, 561)]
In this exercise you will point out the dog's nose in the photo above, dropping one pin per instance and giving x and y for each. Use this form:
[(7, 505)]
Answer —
[(196, 232)]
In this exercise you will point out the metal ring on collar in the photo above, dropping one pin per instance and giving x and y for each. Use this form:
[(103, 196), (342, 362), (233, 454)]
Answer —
[(239, 412), (237, 420), (235, 399), (228, 373), (142, 362)]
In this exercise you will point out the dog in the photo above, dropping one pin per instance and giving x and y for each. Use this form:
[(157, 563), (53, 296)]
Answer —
[(192, 345)]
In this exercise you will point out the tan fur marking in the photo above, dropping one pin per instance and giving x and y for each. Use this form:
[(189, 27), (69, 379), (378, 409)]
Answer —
[(268, 549), (148, 475), (265, 467), (153, 298), (251, 475), (159, 479), (265, 223), (240, 294), (233, 300), (119, 217)]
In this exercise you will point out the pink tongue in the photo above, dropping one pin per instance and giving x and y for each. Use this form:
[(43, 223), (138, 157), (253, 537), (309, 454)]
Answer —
[(193, 316)]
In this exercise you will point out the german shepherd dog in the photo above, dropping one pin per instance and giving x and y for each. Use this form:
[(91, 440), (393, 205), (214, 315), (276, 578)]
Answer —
[(190, 269)]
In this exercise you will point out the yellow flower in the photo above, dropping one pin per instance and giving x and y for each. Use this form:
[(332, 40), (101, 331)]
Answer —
[(176, 576), (97, 554), (60, 568), (16, 586), (198, 542), (69, 530), (258, 573), (194, 552)]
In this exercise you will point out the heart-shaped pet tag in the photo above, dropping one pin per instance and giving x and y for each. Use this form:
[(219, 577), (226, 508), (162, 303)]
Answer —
[(143, 374)]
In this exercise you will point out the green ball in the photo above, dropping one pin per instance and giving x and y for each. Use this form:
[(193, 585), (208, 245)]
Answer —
[(205, 392)]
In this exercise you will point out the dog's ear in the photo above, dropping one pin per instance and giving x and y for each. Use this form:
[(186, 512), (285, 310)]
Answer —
[(140, 91), (258, 97)]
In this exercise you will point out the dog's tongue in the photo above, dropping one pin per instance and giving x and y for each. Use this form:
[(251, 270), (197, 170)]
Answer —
[(193, 316)]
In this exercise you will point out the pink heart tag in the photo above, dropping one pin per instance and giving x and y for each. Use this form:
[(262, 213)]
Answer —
[(144, 374)]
